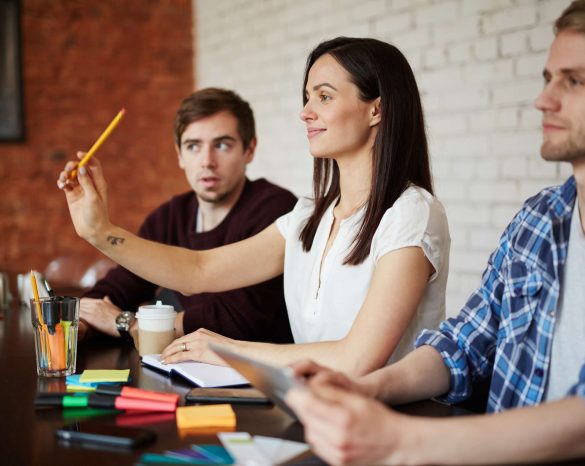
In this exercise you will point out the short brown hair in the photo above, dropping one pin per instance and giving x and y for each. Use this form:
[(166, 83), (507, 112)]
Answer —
[(209, 101), (573, 18)]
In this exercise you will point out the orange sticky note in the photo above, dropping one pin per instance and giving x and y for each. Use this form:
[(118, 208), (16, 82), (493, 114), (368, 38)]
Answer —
[(205, 416), (191, 431)]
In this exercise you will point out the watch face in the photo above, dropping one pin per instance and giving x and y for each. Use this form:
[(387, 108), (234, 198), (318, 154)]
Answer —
[(123, 320)]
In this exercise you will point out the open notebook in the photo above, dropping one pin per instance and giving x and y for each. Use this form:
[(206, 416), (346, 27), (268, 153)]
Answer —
[(200, 373)]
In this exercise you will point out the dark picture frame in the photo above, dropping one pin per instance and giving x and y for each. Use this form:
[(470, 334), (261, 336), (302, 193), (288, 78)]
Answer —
[(11, 95)]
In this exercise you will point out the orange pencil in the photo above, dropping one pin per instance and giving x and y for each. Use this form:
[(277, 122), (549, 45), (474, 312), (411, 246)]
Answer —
[(99, 142)]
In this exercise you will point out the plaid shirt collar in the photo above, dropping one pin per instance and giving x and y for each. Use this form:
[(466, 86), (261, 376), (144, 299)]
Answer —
[(562, 201)]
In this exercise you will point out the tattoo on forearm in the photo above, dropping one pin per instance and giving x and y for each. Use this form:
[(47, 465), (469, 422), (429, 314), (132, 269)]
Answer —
[(115, 240)]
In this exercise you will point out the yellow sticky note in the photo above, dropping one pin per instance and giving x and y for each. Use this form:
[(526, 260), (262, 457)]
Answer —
[(112, 375), (205, 416), (79, 388)]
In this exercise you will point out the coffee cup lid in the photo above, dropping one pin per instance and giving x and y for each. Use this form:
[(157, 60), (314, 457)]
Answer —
[(155, 311)]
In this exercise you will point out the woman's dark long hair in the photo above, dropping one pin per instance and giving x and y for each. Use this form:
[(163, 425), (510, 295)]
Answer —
[(400, 152)]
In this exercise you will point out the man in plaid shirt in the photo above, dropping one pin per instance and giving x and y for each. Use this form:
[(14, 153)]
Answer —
[(524, 327)]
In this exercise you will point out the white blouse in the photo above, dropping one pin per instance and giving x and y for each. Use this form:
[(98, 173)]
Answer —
[(325, 309)]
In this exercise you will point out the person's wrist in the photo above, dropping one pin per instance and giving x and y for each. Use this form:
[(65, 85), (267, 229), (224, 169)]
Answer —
[(101, 235), (369, 386), (411, 437), (236, 345), (123, 322)]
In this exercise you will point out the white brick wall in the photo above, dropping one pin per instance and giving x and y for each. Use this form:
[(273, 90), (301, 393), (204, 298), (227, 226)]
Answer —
[(478, 64)]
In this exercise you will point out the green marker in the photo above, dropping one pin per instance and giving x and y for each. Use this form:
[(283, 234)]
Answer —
[(61, 399)]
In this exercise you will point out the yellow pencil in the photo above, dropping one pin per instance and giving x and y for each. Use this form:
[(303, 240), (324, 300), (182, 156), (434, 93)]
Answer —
[(98, 143), (36, 296), (43, 336)]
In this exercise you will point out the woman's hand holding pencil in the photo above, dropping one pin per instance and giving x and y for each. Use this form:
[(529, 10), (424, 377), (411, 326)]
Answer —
[(87, 198), (96, 145), (72, 167), (85, 188)]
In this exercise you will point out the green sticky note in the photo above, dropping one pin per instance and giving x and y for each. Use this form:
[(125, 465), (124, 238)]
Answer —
[(111, 375)]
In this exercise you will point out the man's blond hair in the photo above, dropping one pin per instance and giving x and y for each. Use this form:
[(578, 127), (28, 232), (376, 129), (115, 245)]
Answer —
[(572, 19)]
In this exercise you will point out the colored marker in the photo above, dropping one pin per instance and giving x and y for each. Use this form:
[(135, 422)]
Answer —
[(103, 401), (55, 337), (61, 399), (68, 315), (137, 393), (48, 288)]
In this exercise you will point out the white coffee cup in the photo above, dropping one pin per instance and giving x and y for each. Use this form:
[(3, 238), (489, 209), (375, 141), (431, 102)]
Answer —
[(156, 327)]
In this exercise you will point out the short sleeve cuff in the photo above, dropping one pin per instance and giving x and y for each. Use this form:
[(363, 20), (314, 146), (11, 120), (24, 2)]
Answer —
[(454, 359), (300, 213), (282, 224)]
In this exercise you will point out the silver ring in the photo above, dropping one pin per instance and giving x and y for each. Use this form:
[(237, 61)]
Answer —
[(184, 347)]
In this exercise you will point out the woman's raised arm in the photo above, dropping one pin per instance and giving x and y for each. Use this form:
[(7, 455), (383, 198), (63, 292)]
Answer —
[(245, 263)]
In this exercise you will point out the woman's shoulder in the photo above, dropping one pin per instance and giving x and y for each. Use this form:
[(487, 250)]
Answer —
[(417, 218), (417, 199), (415, 206)]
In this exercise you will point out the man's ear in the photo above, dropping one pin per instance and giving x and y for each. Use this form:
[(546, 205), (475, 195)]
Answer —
[(250, 151), (376, 112), (179, 157)]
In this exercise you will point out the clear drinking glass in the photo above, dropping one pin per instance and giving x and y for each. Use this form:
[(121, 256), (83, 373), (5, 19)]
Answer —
[(55, 321)]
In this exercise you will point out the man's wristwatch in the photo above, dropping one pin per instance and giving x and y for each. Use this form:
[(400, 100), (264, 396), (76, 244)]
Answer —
[(124, 321)]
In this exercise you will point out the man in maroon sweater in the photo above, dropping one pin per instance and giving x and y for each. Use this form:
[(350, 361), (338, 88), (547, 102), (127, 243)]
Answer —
[(215, 140)]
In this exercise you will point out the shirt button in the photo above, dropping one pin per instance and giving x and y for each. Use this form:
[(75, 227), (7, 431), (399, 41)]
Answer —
[(538, 372), (517, 291)]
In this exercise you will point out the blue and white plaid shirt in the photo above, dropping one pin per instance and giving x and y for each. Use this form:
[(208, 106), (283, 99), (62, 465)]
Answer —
[(506, 328)]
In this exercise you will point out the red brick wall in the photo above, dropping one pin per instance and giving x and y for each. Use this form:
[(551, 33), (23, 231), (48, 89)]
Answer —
[(82, 62)]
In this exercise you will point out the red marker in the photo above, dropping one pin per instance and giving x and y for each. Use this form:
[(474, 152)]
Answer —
[(137, 393)]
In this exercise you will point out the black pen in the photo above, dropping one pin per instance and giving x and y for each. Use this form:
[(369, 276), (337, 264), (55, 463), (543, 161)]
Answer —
[(49, 289)]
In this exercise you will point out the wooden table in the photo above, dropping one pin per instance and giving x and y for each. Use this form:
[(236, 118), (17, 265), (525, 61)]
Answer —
[(27, 435)]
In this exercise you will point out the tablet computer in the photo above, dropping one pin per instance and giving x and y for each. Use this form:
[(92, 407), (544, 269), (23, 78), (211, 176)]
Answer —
[(273, 381)]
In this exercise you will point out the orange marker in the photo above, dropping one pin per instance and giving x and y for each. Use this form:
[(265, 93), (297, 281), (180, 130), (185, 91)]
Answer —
[(57, 347), (99, 142)]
